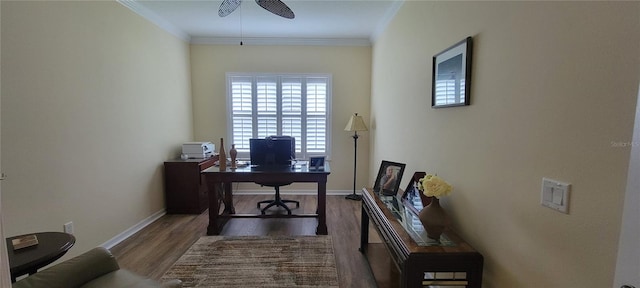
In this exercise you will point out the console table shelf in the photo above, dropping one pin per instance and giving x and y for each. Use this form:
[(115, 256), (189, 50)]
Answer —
[(418, 263)]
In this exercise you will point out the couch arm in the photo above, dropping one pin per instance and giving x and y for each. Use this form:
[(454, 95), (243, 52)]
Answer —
[(73, 272)]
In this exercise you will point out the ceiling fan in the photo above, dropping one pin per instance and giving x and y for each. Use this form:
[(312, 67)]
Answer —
[(274, 6)]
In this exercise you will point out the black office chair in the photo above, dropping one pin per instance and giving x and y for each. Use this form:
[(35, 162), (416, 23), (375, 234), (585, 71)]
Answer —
[(278, 201), (280, 150)]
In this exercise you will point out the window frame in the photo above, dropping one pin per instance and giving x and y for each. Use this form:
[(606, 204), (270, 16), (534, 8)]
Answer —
[(303, 154)]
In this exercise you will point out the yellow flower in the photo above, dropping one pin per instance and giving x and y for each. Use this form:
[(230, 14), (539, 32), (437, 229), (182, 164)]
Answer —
[(434, 186)]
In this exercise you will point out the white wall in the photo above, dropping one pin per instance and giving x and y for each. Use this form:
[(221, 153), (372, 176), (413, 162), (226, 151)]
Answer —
[(553, 95), (94, 99)]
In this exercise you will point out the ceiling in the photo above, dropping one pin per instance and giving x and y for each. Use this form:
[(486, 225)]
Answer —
[(317, 22)]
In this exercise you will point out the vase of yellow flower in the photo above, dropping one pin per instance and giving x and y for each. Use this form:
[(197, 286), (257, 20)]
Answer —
[(434, 219)]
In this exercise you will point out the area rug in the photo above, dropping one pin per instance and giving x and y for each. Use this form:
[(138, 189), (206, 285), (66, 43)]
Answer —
[(256, 261)]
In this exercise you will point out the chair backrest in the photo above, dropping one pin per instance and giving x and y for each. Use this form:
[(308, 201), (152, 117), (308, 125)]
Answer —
[(272, 151)]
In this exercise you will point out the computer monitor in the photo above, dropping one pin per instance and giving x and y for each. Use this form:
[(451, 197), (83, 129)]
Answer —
[(272, 151)]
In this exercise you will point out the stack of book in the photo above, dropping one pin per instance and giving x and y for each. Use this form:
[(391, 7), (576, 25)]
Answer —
[(24, 242)]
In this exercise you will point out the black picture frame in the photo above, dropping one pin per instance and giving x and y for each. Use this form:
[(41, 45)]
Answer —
[(412, 198), (316, 163), (451, 78), (397, 170)]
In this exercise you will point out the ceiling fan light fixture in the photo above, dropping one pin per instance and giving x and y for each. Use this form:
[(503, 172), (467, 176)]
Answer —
[(274, 6)]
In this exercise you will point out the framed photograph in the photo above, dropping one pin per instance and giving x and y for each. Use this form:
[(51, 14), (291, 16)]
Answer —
[(389, 177), (316, 163), (412, 198), (451, 79)]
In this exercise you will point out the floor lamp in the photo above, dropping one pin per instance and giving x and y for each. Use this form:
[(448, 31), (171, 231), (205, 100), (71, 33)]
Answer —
[(355, 124)]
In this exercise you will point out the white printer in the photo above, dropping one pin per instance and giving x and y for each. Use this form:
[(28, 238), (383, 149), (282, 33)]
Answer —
[(198, 150)]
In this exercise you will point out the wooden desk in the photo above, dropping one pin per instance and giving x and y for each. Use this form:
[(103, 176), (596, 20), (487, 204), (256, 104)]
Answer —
[(419, 263), (219, 186), (51, 246)]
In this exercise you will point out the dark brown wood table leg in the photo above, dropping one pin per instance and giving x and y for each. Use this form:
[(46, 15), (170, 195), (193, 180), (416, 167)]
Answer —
[(214, 208), (322, 208), (364, 229), (228, 199)]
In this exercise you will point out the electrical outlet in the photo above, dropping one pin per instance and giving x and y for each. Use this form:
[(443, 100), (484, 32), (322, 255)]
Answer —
[(68, 227)]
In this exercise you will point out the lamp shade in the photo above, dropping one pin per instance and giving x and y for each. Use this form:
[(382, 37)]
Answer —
[(356, 124)]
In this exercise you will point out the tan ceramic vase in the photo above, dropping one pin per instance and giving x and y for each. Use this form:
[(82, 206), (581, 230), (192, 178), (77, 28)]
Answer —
[(222, 156), (434, 219)]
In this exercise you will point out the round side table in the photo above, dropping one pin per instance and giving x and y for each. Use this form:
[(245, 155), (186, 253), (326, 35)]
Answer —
[(51, 246)]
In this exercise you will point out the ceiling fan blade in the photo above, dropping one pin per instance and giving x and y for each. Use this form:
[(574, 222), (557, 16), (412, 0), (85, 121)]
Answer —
[(277, 7), (228, 6)]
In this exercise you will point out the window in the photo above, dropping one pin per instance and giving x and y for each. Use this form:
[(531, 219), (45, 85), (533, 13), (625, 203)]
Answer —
[(261, 105)]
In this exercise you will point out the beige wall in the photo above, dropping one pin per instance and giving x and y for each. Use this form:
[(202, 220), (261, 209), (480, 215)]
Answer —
[(4, 260), (94, 99), (351, 72), (553, 95)]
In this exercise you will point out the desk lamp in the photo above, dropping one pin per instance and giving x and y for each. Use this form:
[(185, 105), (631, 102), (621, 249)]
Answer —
[(355, 124)]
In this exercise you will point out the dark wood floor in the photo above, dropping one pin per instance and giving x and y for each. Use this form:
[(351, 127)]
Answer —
[(153, 250)]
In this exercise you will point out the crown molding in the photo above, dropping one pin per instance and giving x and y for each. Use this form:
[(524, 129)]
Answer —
[(386, 19), (134, 6), (155, 19), (266, 41)]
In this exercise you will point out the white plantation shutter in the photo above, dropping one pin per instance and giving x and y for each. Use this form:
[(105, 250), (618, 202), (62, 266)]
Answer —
[(292, 109), (294, 105), (293, 127), (316, 110), (241, 108), (267, 107)]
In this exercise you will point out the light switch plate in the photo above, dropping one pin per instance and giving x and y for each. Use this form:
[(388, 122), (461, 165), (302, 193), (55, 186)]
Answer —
[(555, 195)]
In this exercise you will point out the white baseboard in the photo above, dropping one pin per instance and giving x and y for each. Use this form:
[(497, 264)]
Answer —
[(155, 216), (135, 228)]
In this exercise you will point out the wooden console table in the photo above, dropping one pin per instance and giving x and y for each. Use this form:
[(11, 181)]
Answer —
[(418, 261), (221, 194)]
